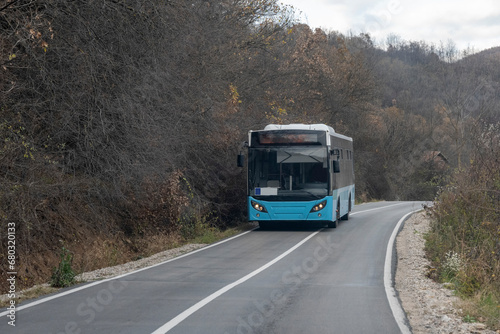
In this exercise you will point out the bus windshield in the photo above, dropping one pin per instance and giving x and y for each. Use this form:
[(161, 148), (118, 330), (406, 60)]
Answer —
[(298, 172)]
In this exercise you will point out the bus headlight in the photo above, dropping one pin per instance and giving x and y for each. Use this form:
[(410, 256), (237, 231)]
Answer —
[(319, 206), (258, 207)]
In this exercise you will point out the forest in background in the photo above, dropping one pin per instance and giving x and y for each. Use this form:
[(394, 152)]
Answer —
[(121, 120)]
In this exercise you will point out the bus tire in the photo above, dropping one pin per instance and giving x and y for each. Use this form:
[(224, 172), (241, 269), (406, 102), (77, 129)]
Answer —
[(346, 216), (335, 223)]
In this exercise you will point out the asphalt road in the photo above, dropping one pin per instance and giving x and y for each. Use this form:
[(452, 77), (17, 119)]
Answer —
[(297, 280)]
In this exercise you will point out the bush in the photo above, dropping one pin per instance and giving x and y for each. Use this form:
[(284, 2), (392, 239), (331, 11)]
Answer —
[(64, 275)]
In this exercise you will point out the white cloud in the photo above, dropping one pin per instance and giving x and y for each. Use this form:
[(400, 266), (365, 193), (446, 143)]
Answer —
[(468, 23)]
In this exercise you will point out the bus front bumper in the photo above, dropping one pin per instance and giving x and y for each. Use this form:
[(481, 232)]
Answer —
[(260, 210)]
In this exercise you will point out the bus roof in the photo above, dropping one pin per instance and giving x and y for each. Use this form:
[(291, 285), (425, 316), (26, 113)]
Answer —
[(298, 126), (322, 127)]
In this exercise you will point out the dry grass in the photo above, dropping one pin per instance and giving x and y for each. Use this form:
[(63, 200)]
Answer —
[(33, 292), (466, 230)]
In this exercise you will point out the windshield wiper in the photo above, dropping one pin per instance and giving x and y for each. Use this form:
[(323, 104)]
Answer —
[(312, 194)]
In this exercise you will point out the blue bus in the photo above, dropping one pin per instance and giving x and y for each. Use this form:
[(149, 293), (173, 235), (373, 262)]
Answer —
[(299, 172)]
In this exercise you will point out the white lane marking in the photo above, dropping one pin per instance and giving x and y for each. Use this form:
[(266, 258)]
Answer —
[(178, 319), (397, 309), (65, 293), (379, 208)]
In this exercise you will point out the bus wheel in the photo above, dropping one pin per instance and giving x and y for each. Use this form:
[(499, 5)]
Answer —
[(335, 223), (346, 216)]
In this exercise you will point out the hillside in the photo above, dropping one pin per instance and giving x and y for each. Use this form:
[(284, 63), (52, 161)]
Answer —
[(492, 54)]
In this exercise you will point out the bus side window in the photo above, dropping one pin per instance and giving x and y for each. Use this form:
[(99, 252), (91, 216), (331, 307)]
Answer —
[(336, 166)]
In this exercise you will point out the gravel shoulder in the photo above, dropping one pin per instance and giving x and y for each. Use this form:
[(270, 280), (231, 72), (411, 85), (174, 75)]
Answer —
[(430, 307), (136, 265)]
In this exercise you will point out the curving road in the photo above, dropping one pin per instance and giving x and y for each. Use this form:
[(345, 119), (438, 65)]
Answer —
[(282, 281)]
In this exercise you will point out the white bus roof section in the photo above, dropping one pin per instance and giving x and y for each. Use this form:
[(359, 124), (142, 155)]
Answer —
[(320, 127)]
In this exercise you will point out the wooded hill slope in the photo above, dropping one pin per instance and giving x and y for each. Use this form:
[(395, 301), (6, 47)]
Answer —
[(121, 120)]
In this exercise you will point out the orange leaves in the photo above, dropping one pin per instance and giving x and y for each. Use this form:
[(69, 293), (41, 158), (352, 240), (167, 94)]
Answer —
[(234, 95), (44, 46), (232, 104), (278, 114), (35, 31), (35, 34), (393, 112)]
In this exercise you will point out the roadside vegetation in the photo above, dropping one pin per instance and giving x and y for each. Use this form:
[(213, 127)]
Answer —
[(464, 241), (121, 121)]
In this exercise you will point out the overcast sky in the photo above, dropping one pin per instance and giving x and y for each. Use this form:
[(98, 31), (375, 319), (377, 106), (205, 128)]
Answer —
[(474, 23)]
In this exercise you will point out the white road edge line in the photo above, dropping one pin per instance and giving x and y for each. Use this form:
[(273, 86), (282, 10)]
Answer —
[(397, 309), (178, 319), (382, 207), (68, 292)]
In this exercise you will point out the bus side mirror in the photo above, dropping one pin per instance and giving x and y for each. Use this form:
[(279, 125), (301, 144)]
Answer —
[(336, 166), (241, 160)]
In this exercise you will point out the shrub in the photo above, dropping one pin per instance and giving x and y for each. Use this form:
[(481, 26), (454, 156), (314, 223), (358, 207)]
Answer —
[(452, 265), (63, 275)]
